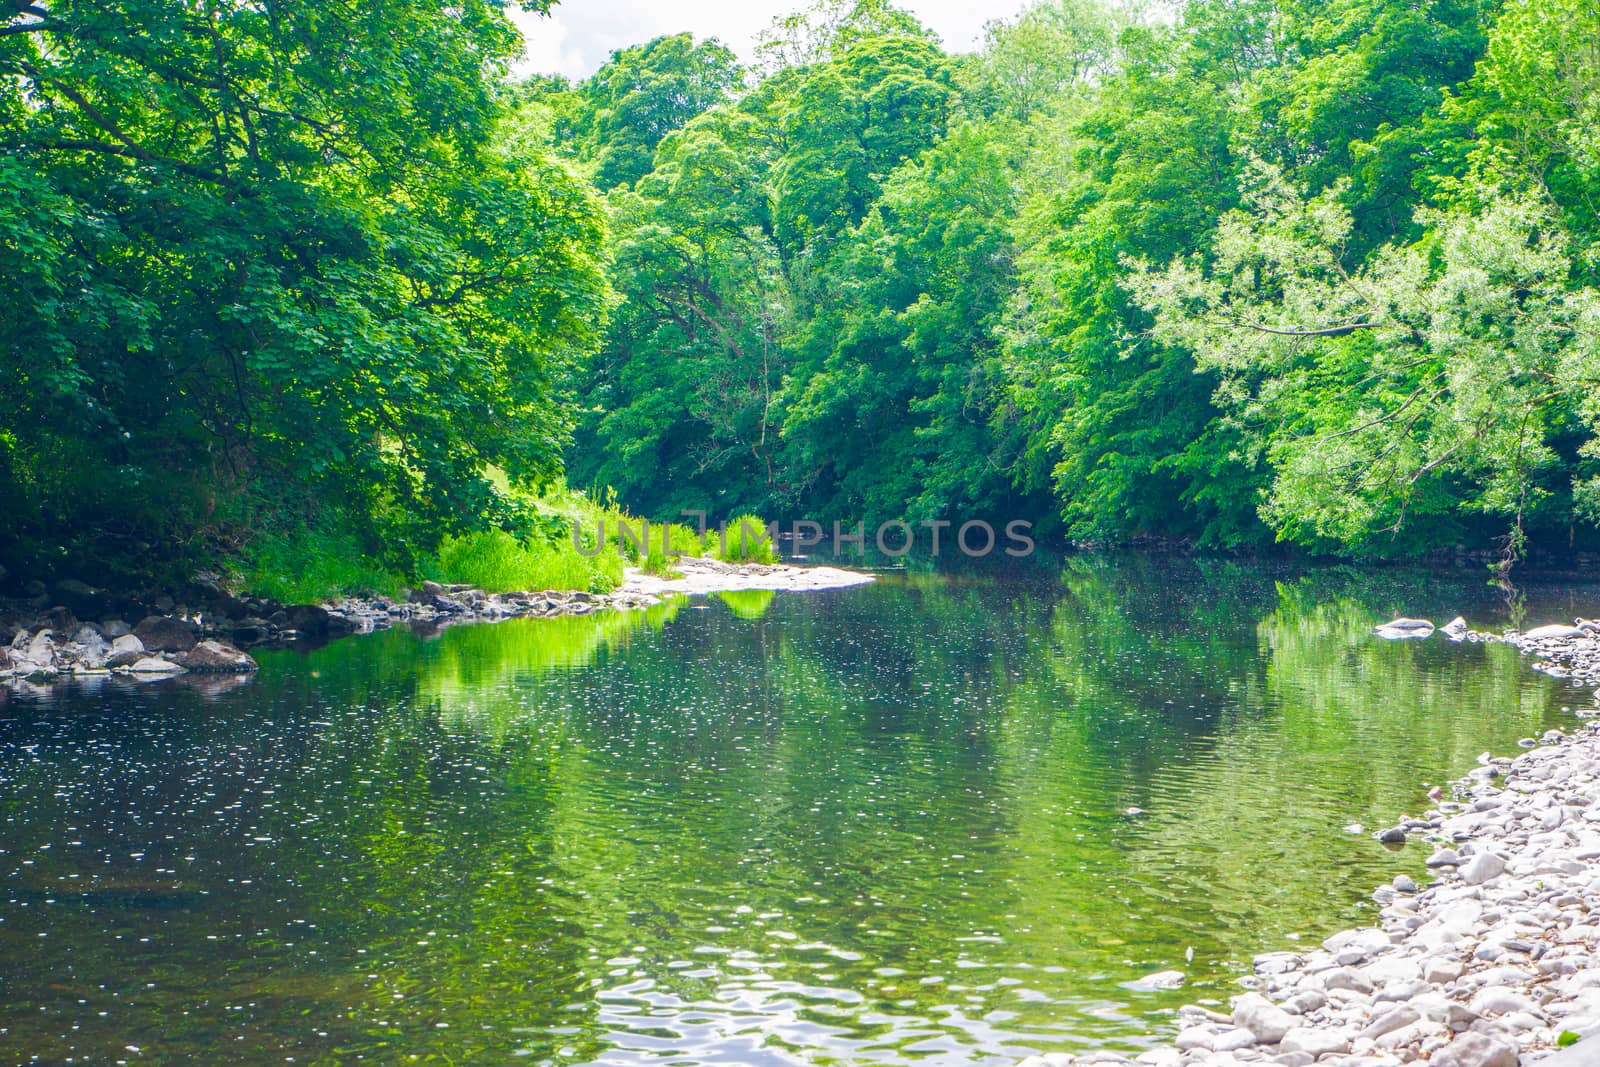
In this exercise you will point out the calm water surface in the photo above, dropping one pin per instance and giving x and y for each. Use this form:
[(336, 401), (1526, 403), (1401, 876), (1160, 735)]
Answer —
[(934, 820)]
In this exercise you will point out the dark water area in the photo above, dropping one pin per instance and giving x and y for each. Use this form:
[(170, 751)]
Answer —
[(935, 820)]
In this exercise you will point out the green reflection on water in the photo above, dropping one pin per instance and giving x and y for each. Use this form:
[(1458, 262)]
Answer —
[(939, 820)]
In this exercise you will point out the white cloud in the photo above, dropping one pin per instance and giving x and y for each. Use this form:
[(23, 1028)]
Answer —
[(580, 34)]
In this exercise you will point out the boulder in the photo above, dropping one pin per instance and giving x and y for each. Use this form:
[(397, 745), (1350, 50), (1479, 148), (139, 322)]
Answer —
[(1482, 867), (155, 665), (1553, 632), (41, 647), (161, 633), (1455, 629), (125, 658), (83, 599), (61, 618), (1262, 1018), (114, 628), (1473, 1049), (250, 630), (1579, 1055), (1163, 980), (1316, 1041), (1390, 1021), (221, 605), (88, 648), (307, 620), (1347, 978), (216, 656), (1403, 628)]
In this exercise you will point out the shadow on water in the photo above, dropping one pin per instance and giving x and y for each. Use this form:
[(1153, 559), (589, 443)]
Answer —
[(946, 820)]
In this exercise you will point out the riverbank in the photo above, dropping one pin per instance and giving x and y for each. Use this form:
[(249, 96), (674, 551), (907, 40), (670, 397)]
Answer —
[(1495, 962), (44, 638)]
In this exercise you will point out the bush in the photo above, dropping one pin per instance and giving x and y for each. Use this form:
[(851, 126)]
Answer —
[(497, 562), (747, 542), (311, 565)]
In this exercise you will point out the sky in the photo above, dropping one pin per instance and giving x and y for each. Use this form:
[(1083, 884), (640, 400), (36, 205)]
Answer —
[(580, 34)]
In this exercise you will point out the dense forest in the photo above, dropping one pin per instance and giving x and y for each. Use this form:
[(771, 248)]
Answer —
[(291, 279)]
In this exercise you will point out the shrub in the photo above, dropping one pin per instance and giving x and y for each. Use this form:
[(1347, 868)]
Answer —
[(497, 562), (313, 564), (747, 541)]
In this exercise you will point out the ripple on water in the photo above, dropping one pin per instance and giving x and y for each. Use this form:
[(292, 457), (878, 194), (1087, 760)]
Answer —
[(930, 821)]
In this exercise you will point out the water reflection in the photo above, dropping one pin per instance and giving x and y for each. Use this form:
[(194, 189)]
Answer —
[(943, 820)]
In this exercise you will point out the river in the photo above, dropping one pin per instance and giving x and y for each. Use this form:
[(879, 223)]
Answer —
[(936, 820)]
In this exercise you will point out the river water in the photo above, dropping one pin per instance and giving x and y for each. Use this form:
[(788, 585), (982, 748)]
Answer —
[(934, 820)]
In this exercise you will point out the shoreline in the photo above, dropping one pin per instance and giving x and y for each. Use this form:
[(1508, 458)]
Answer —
[(435, 606), (1493, 963), (49, 640)]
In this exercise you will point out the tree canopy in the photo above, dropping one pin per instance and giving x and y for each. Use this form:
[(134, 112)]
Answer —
[(272, 260), (1297, 271), (1321, 273)]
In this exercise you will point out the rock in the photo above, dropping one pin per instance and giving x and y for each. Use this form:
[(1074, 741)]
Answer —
[(1498, 1000), (114, 628), (1402, 628), (1403, 883), (1441, 971), (1553, 632), (1278, 962), (1445, 857), (223, 605), (1455, 629), (82, 599), (88, 649), (41, 646), (216, 656), (307, 620), (1394, 835), (1483, 867), (1390, 1021), (1233, 1040), (160, 633), (1306, 1001), (1263, 1019), (1195, 1037), (1475, 1050), (1347, 978), (1315, 1041), (155, 665), (1294, 1059), (250, 630), (1584, 1054), (1163, 980)]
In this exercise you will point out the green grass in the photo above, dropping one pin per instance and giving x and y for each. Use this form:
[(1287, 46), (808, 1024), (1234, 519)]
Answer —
[(747, 542), (323, 562), (312, 565), (497, 562)]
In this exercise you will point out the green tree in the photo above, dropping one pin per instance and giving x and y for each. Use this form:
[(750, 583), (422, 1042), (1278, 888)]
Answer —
[(644, 93), (275, 256), (1054, 49), (1424, 389), (896, 407)]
